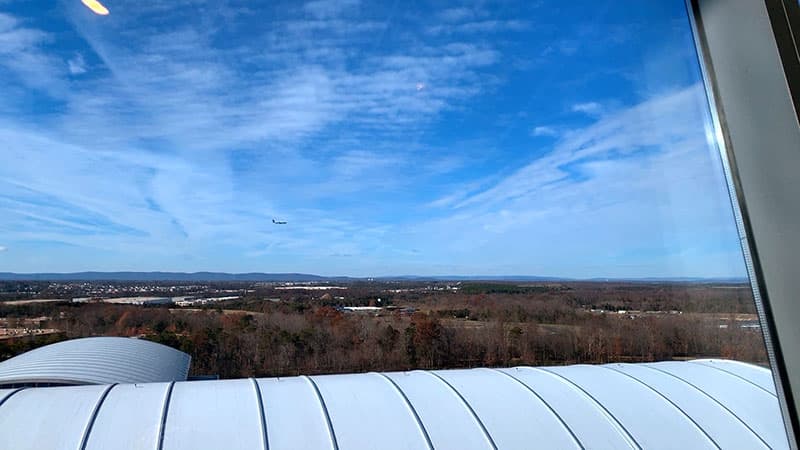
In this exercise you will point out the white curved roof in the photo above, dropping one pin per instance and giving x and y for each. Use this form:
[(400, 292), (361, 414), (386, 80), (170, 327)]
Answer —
[(699, 404), (96, 360)]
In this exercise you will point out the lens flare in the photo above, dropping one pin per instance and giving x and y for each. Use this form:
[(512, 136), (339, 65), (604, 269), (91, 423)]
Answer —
[(96, 7)]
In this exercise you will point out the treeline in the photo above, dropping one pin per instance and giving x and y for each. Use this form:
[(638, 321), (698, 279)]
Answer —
[(509, 288), (281, 339), (491, 324), (703, 298)]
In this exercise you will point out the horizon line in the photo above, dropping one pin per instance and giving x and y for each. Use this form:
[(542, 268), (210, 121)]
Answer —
[(242, 276)]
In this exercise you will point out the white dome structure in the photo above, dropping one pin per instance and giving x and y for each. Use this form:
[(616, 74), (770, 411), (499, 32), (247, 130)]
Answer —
[(95, 360), (701, 404)]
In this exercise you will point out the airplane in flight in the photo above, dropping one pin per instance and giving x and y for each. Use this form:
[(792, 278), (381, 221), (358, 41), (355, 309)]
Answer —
[(279, 222)]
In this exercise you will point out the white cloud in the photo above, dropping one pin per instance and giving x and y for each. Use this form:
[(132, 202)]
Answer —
[(544, 130), (494, 25), (2, 248), (482, 26), (76, 65), (620, 134), (590, 108), (182, 91), (457, 14), (177, 89), (22, 55), (329, 8), (640, 185), (196, 152)]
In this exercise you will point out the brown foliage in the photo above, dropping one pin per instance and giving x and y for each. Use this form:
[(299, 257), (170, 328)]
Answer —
[(499, 327)]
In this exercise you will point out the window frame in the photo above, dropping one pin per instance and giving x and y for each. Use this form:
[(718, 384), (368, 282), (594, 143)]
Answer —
[(749, 58)]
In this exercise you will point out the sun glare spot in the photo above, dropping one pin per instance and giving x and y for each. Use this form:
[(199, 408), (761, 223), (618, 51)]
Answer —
[(96, 7)]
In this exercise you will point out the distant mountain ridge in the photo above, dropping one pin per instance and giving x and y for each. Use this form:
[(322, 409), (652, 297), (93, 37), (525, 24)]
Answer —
[(163, 276), (304, 277)]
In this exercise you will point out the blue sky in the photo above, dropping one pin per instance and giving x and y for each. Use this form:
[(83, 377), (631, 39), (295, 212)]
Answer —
[(494, 138)]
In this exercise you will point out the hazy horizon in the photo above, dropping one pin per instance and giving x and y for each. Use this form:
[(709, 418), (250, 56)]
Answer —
[(158, 275)]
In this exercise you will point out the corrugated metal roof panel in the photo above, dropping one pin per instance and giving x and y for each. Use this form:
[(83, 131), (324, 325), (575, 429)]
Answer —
[(4, 393), (612, 406), (721, 425), (652, 421), (48, 418), (97, 360), (291, 404), (755, 406), (366, 411), (129, 418), (587, 419), (531, 420), (751, 373), (448, 422), (213, 415)]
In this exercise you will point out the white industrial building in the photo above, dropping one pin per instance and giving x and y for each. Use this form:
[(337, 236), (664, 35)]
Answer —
[(133, 397), (139, 300)]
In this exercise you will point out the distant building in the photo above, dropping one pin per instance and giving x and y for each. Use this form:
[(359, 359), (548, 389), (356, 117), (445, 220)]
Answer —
[(362, 309), (187, 301), (139, 300)]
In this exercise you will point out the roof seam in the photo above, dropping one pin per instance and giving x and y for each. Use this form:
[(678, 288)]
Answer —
[(469, 408), (164, 411), (558, 416), (2, 401), (713, 399), (93, 417), (712, 366), (325, 413), (411, 409), (730, 361), (625, 433), (685, 414), (260, 402)]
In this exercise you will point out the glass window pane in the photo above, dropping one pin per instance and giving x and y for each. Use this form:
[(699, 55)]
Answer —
[(346, 186)]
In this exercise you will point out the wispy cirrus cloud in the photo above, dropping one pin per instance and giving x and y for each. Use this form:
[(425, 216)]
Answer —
[(460, 14), (544, 130), (480, 26), (161, 144), (473, 20), (175, 132), (329, 8), (22, 56), (638, 182), (591, 108), (626, 133), (76, 65), (187, 92)]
